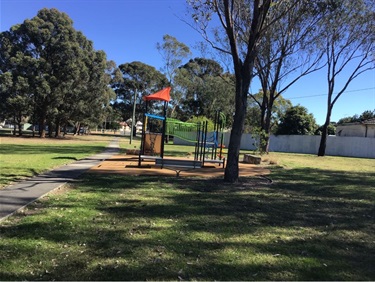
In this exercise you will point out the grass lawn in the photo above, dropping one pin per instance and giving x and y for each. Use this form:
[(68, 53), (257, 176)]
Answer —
[(314, 222), (22, 157)]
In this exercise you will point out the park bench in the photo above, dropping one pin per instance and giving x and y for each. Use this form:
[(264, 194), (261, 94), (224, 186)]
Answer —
[(220, 162), (178, 165), (146, 157)]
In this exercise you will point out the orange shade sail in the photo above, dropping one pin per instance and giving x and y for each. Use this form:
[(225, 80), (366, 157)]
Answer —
[(162, 95)]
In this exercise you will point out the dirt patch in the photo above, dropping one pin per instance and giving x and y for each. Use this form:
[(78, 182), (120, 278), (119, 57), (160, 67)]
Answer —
[(121, 164)]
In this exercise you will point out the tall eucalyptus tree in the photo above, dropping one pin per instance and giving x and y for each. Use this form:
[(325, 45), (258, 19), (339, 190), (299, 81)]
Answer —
[(287, 52), (348, 41), (241, 25), (139, 80), (173, 52)]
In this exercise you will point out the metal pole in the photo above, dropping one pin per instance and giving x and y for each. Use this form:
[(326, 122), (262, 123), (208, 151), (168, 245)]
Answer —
[(205, 141), (143, 138), (164, 129), (133, 118)]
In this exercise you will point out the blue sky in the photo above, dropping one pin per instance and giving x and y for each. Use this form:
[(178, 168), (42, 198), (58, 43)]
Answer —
[(128, 30)]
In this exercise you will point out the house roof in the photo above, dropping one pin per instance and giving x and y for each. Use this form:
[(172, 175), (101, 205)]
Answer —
[(369, 121)]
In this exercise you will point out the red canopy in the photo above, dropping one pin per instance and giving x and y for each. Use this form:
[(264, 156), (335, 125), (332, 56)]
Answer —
[(162, 95)]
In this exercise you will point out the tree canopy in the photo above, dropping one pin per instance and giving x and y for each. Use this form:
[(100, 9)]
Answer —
[(53, 74), (204, 89), (368, 114), (254, 113), (297, 121), (138, 80), (173, 52)]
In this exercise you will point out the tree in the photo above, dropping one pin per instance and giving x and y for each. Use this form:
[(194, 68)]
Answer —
[(368, 114), (205, 89), (172, 52), (113, 77), (56, 74), (331, 129), (284, 56), (243, 24), (354, 118), (348, 42), (280, 106), (98, 93), (139, 80), (15, 88), (297, 121)]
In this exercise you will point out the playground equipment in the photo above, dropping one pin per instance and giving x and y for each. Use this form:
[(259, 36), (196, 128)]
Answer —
[(208, 147), (149, 138)]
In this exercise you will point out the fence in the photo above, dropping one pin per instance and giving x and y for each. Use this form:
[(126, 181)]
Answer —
[(308, 144)]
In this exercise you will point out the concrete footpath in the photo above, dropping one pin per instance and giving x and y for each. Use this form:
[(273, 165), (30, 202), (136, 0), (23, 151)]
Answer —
[(19, 195)]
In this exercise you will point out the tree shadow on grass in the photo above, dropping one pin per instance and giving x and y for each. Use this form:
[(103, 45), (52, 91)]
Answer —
[(35, 149), (326, 183), (65, 158), (302, 227)]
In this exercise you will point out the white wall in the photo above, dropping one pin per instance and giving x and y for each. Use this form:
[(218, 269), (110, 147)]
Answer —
[(354, 129), (351, 147), (358, 130), (371, 131), (309, 144), (305, 144)]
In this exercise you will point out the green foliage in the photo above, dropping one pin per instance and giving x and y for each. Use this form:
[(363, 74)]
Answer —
[(201, 119), (139, 80), (364, 116), (297, 121), (172, 52), (57, 75), (254, 111), (260, 140), (331, 129), (204, 89)]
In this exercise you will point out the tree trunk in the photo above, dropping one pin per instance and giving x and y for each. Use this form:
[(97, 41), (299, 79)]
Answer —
[(50, 129), (232, 170), (42, 128), (19, 125), (57, 129), (323, 140), (266, 129), (265, 142), (18, 119), (76, 128)]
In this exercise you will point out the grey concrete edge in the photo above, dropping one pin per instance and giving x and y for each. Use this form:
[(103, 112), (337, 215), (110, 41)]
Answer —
[(111, 149)]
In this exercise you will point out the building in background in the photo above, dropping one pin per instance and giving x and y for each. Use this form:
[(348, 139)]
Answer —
[(364, 128)]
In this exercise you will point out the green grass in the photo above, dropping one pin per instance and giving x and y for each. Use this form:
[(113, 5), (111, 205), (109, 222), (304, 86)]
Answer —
[(294, 161), (314, 222), (25, 157)]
